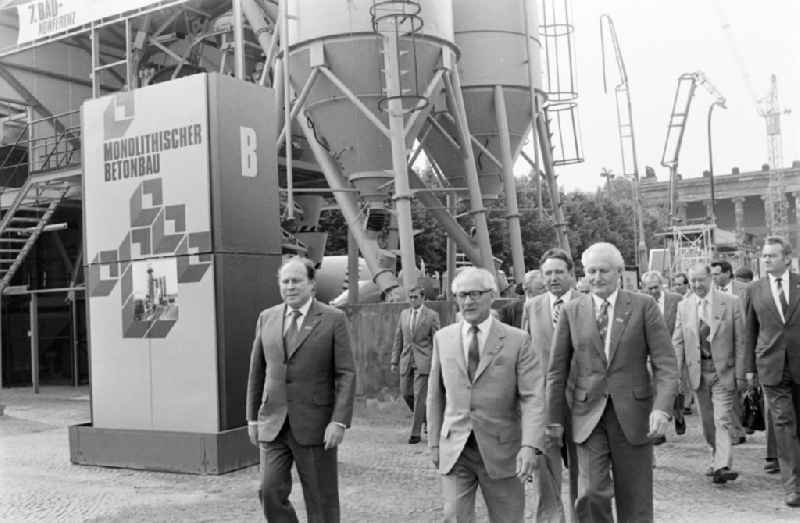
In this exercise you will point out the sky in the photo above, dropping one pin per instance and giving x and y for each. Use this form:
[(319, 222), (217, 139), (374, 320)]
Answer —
[(660, 40)]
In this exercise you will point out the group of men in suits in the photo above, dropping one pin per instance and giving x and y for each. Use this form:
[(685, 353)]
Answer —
[(591, 382)]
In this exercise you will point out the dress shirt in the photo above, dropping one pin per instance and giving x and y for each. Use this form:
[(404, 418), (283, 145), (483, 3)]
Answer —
[(728, 289), (773, 287), (287, 315), (415, 313), (703, 313), (598, 302), (660, 302), (466, 335)]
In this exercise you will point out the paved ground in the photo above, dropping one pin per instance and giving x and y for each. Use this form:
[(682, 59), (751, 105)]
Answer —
[(382, 479)]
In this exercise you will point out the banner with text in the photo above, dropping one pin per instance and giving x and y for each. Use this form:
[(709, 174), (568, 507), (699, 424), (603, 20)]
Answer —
[(41, 18)]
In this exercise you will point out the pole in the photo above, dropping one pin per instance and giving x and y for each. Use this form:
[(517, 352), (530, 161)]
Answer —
[(402, 196), (352, 270), (238, 39), (451, 250), (34, 334), (514, 229), (711, 166)]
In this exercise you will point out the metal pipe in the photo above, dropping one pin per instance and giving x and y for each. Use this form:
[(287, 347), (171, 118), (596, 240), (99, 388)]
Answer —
[(348, 205), (352, 270), (529, 8), (301, 100), (711, 164), (355, 101), (451, 249), (547, 161), (402, 194), (514, 229), (287, 106), (34, 334), (238, 39), (453, 85)]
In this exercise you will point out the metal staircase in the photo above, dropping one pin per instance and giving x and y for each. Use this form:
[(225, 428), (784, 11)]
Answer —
[(24, 221)]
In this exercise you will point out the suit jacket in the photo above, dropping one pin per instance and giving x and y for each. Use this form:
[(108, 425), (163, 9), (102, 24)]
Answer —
[(637, 331), (727, 339), (541, 330), (770, 343), (418, 342), (671, 301), (511, 314), (312, 383), (496, 406), (739, 289)]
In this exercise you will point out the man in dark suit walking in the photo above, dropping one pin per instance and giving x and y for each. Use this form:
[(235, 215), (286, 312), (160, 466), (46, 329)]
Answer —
[(411, 355), (605, 340), (773, 350), (300, 397)]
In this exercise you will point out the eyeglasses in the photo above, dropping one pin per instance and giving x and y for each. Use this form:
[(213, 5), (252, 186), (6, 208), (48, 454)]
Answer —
[(472, 294)]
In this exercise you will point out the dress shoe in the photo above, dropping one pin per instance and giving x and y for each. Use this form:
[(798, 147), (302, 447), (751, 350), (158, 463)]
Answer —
[(723, 475), (772, 466), (413, 440), (793, 500), (660, 440)]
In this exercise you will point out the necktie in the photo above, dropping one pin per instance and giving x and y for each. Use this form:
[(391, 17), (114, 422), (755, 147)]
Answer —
[(704, 331), (602, 321), (473, 354), (557, 311), (414, 316), (290, 336), (782, 297)]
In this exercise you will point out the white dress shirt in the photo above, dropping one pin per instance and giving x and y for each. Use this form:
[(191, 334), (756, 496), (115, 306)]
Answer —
[(773, 287), (287, 315), (598, 302), (414, 317), (660, 302), (728, 289), (466, 335)]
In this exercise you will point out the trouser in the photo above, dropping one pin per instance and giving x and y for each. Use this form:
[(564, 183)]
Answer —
[(606, 452), (781, 406), (715, 404), (318, 473), (549, 508), (772, 446), (504, 497), (414, 389)]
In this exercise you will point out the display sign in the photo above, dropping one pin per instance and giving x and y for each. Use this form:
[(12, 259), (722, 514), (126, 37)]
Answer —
[(41, 18)]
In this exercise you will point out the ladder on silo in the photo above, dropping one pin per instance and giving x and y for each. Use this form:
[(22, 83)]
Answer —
[(26, 219)]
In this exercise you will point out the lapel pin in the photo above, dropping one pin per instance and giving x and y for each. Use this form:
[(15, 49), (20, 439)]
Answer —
[(619, 320)]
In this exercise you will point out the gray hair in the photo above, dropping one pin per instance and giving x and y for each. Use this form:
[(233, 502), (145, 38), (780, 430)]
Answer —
[(604, 249), (649, 275), (530, 276), (778, 240), (700, 267), (485, 277)]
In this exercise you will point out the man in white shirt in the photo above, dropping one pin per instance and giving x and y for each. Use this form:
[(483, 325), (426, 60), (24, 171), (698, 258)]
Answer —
[(481, 430), (605, 340), (773, 350), (543, 313)]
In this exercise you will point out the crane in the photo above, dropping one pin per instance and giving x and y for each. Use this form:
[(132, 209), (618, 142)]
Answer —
[(684, 94), (767, 107), (627, 138)]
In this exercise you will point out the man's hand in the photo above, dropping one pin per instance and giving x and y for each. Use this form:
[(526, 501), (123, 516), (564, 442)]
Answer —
[(659, 421), (526, 461), (394, 368), (435, 456), (554, 435), (252, 431), (334, 434)]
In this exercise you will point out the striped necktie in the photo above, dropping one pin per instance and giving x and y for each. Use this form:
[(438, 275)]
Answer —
[(557, 311)]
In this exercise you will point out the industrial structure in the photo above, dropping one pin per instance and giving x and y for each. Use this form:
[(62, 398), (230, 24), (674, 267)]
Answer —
[(127, 145)]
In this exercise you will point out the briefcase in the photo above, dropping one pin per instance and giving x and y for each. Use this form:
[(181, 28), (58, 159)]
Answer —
[(753, 410)]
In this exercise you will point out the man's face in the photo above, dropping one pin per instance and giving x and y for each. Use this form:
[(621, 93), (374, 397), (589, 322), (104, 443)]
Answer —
[(721, 279), (652, 286), (775, 262), (556, 275), (294, 284), (535, 287), (474, 300), (415, 299), (602, 275), (679, 285), (700, 282)]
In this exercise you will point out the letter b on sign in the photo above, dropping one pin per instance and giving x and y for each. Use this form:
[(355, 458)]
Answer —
[(248, 147)]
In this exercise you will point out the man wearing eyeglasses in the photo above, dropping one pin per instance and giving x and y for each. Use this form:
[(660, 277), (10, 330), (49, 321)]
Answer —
[(481, 431)]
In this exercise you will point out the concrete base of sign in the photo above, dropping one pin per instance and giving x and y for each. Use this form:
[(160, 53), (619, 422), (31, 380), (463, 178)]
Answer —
[(187, 452)]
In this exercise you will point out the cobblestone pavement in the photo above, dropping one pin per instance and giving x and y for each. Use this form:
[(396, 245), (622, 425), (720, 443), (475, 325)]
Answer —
[(382, 479)]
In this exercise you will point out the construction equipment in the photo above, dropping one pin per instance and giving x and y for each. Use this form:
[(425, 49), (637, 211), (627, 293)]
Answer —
[(627, 138), (684, 94)]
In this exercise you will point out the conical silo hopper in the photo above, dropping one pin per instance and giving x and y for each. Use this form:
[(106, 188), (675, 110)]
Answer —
[(339, 34), (494, 52)]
